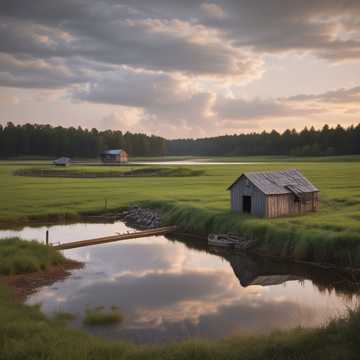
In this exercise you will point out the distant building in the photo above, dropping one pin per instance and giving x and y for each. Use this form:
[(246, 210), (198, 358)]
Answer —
[(273, 193), (63, 161), (114, 156)]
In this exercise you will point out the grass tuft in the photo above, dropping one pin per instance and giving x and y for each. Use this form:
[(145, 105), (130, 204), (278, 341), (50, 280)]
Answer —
[(19, 256), (100, 316)]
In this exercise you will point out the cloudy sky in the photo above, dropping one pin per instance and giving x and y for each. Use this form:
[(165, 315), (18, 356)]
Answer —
[(184, 68)]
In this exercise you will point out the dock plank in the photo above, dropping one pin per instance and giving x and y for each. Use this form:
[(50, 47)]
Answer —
[(108, 239)]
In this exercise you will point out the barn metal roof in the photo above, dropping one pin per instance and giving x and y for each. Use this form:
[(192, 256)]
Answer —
[(279, 182), (112, 152)]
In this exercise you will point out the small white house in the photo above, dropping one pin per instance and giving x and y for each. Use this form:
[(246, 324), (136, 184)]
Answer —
[(63, 161)]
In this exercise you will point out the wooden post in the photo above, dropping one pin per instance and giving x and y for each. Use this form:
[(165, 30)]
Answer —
[(47, 237)]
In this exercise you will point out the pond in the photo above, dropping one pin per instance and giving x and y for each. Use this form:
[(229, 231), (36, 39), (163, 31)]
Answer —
[(170, 290)]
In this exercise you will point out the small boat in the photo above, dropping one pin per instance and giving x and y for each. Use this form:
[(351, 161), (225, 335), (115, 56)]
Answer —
[(225, 240)]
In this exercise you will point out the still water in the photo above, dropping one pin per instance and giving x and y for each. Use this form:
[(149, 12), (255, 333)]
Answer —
[(169, 290)]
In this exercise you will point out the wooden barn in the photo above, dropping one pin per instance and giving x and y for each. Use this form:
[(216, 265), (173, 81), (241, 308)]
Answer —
[(273, 193), (114, 156)]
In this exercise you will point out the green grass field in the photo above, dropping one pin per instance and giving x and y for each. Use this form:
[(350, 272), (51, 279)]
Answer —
[(201, 203)]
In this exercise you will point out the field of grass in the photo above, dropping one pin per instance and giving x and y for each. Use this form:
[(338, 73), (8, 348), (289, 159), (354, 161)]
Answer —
[(201, 203), (19, 256)]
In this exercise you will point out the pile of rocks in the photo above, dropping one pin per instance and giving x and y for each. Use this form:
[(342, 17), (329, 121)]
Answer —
[(140, 217)]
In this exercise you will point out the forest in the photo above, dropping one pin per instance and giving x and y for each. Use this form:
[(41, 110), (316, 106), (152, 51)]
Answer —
[(45, 140), (308, 142), (48, 141)]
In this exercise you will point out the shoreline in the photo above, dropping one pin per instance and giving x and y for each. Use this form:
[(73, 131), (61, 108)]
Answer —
[(23, 285), (148, 215)]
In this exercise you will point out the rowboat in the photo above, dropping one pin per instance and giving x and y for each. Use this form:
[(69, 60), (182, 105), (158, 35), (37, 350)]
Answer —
[(224, 240)]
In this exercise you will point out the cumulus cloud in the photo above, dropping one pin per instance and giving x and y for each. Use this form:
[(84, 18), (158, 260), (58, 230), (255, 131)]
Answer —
[(38, 73), (137, 89), (213, 11), (158, 60), (112, 34), (327, 29), (339, 96), (243, 109), (167, 102), (239, 109)]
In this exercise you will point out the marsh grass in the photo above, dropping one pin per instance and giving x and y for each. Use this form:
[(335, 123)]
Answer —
[(306, 243), (101, 316), (19, 256)]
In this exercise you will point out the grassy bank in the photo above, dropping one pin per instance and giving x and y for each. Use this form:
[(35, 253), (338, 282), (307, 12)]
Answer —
[(25, 333), (20, 256), (280, 238)]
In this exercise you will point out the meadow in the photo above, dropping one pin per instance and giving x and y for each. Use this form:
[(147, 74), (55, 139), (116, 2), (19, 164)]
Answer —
[(201, 203)]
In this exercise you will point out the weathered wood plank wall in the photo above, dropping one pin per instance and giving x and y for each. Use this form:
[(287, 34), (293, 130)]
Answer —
[(245, 188)]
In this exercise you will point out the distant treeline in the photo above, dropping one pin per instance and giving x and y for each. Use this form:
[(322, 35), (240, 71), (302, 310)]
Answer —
[(45, 140), (308, 142)]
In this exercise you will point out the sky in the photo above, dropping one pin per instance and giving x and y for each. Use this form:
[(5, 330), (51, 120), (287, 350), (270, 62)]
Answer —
[(179, 69)]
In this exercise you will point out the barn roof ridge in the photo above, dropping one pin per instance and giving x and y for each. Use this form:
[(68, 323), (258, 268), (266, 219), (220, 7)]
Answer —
[(279, 182)]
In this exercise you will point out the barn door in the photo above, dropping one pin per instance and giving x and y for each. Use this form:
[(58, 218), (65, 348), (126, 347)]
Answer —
[(246, 204)]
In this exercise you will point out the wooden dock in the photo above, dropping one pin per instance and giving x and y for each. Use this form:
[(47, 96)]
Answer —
[(108, 239)]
